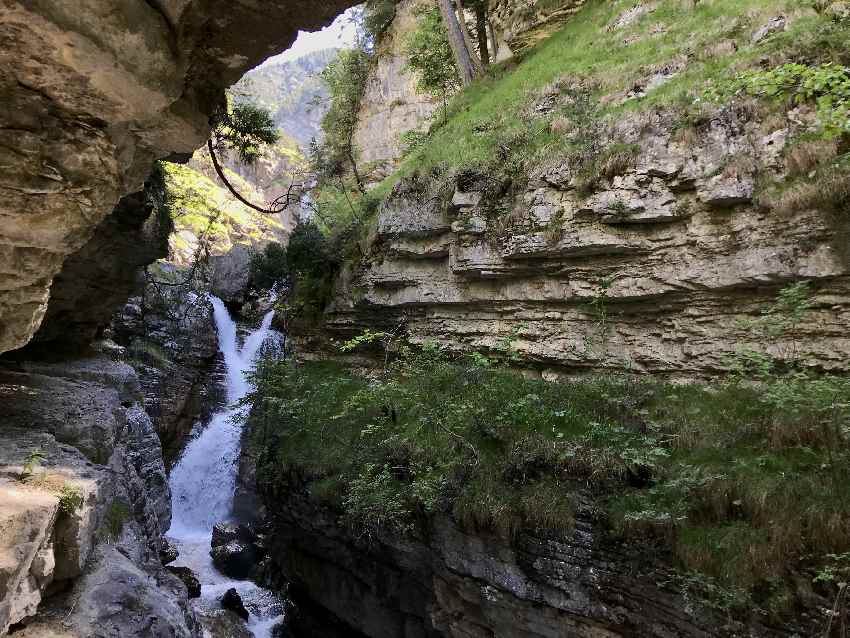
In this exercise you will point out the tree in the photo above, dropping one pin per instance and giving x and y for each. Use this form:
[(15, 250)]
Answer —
[(246, 129), (345, 79), (467, 37), (463, 59), (429, 56), (479, 8)]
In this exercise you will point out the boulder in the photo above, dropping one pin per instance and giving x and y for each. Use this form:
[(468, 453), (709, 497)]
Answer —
[(223, 622), (725, 191), (233, 601), (193, 585), (168, 553), (230, 274), (235, 558)]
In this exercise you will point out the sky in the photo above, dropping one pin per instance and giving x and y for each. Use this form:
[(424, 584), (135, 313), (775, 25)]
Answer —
[(341, 33)]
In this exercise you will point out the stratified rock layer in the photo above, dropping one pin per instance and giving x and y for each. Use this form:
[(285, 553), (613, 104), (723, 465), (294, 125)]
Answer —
[(456, 583), (90, 96), (652, 269), (84, 504)]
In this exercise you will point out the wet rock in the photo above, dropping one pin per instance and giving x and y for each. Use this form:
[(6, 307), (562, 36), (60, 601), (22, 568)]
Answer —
[(168, 553), (235, 550), (223, 623), (185, 574), (223, 533), (236, 558), (233, 601), (174, 349)]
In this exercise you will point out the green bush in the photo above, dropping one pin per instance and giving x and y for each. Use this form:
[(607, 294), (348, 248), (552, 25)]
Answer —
[(269, 267), (70, 499)]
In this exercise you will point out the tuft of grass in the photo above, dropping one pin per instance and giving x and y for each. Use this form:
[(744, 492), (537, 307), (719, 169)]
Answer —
[(614, 160), (827, 190), (113, 522), (809, 155), (70, 499)]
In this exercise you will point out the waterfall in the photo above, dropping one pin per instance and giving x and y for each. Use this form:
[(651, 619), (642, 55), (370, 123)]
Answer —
[(204, 480)]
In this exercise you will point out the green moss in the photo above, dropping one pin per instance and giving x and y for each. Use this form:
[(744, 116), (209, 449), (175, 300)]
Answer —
[(209, 212)]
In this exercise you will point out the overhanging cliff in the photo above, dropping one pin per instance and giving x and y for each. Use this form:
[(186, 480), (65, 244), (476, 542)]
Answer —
[(92, 94)]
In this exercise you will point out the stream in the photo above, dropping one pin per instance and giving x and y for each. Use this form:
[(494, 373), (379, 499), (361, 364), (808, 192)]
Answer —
[(204, 480)]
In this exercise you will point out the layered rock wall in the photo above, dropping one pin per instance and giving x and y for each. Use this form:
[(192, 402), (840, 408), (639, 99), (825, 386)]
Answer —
[(91, 95), (390, 105), (85, 503), (655, 268), (458, 583)]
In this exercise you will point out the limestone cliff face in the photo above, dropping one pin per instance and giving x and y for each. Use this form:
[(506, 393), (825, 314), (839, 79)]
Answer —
[(390, 105), (519, 24), (650, 271), (102, 274), (456, 583), (83, 523), (91, 95)]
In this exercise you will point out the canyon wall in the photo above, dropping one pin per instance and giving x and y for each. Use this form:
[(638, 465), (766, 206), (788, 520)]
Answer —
[(391, 106), (92, 94), (84, 505), (655, 268), (460, 583)]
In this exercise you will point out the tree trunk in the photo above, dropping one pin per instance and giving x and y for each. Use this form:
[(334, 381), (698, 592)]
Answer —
[(467, 37), (494, 46), (481, 32), (462, 59)]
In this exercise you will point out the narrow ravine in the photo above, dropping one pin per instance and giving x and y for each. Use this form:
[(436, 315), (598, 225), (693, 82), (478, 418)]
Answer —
[(204, 480)]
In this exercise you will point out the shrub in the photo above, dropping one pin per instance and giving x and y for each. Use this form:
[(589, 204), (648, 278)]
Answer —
[(269, 267), (429, 56), (70, 499)]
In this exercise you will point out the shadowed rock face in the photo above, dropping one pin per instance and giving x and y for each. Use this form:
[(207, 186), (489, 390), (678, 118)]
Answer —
[(102, 274), (90, 95)]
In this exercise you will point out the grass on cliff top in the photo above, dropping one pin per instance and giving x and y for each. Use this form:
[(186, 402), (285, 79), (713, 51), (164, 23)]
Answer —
[(494, 122), (744, 484)]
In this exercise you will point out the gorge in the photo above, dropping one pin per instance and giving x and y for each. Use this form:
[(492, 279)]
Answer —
[(558, 352)]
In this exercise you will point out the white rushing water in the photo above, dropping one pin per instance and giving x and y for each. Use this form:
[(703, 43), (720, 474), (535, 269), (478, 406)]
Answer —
[(204, 480)]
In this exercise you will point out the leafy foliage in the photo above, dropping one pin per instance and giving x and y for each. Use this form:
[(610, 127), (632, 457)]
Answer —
[(311, 266), (269, 267), (741, 478), (377, 17), (32, 464), (430, 57), (70, 499), (345, 79), (827, 85), (245, 129)]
